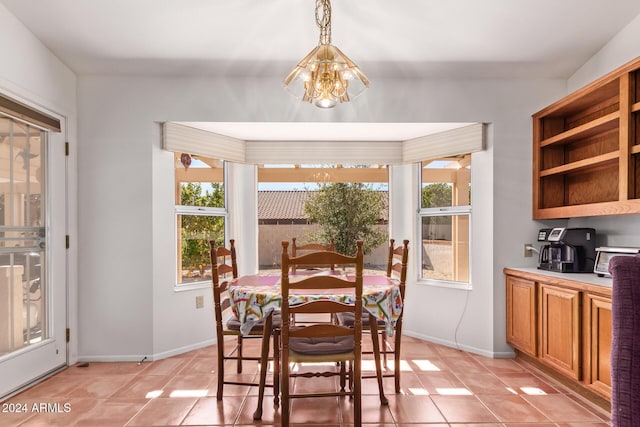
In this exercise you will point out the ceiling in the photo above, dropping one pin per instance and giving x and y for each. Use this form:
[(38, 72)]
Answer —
[(406, 38), (386, 38)]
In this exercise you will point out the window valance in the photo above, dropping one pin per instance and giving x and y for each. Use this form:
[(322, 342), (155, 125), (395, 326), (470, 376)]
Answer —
[(180, 138)]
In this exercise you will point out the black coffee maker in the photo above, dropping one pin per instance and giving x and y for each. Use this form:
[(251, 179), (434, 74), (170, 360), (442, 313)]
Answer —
[(567, 250)]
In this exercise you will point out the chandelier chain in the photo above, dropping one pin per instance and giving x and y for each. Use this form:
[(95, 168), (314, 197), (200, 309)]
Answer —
[(323, 20)]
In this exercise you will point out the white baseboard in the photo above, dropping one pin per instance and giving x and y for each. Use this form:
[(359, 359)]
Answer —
[(149, 358), (185, 349), (197, 346), (469, 349)]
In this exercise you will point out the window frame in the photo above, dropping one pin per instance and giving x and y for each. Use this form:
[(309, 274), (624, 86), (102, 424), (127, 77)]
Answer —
[(331, 174), (200, 211), (450, 211)]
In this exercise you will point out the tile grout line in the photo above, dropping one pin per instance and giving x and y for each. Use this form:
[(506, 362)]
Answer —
[(566, 391)]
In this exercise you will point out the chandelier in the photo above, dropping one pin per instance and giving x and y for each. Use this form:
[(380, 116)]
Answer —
[(326, 75)]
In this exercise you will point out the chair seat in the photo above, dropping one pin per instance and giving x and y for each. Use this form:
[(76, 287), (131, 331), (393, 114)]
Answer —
[(233, 324), (348, 319), (322, 346)]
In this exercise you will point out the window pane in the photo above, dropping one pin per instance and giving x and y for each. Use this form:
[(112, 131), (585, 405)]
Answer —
[(436, 195), (23, 286), (445, 247), (202, 194), (446, 182), (193, 245), (200, 181), (315, 203)]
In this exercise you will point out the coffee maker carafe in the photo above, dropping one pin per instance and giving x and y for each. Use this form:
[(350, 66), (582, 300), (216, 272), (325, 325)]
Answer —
[(567, 250)]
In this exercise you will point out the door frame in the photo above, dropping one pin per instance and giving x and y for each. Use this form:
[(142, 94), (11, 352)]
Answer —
[(57, 351)]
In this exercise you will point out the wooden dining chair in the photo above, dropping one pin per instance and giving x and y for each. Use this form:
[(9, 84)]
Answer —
[(322, 342), (224, 266), (297, 250), (397, 270)]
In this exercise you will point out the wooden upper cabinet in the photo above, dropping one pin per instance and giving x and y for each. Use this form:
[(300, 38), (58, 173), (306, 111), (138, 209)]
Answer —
[(586, 150)]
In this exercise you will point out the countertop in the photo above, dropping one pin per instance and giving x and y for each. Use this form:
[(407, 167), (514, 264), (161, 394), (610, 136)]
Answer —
[(589, 278)]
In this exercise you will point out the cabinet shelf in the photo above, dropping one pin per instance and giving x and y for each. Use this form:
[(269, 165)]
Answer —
[(625, 207), (581, 164), (635, 107), (599, 125), (635, 149)]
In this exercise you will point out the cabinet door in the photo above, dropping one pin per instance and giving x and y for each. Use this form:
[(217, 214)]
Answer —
[(521, 315), (597, 348), (560, 329)]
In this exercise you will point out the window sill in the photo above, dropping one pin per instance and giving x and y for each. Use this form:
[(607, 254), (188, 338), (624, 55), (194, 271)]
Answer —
[(192, 286), (445, 284)]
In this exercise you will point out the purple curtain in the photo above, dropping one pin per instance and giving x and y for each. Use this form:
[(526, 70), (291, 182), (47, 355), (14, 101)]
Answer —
[(625, 341)]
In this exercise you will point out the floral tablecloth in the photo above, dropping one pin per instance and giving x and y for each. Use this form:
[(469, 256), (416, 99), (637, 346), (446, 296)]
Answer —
[(254, 297)]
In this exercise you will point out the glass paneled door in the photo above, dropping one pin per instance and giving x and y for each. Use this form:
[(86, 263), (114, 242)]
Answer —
[(32, 283)]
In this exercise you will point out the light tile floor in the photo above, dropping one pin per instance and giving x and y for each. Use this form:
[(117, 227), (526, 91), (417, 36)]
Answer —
[(441, 386)]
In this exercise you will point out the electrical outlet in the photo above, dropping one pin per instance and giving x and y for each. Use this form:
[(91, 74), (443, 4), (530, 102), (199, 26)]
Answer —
[(200, 301), (528, 250)]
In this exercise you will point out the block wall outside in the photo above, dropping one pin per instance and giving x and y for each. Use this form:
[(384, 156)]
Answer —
[(437, 259), (270, 237)]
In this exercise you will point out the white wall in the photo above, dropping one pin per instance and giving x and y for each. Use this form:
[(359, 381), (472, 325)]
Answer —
[(30, 70), (30, 73), (244, 227), (624, 47), (126, 188)]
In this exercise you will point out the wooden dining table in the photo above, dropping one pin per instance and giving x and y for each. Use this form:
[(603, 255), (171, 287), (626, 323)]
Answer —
[(255, 297)]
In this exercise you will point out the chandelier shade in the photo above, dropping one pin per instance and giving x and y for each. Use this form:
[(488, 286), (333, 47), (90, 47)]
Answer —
[(326, 76)]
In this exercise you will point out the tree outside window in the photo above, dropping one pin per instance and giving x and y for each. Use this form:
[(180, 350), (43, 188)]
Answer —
[(338, 192), (347, 212), (197, 230)]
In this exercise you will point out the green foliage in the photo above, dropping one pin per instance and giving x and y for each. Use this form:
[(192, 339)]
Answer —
[(347, 212), (197, 230), (436, 195), (191, 195)]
